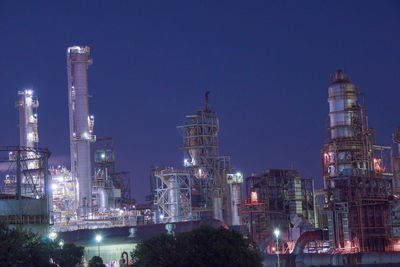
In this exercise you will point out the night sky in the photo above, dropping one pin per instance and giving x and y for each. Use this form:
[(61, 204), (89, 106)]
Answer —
[(266, 63)]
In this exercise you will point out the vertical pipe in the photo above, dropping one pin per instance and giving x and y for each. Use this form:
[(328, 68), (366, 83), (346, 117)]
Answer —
[(217, 208), (316, 223), (19, 174), (19, 178), (173, 196), (235, 199), (22, 119), (47, 191)]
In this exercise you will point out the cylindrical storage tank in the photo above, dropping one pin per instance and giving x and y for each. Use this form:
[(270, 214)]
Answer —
[(103, 199), (342, 98), (235, 200), (217, 208), (173, 198)]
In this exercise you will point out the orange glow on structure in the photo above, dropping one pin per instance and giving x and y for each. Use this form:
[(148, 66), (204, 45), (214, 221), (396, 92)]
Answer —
[(254, 197), (378, 165), (396, 245)]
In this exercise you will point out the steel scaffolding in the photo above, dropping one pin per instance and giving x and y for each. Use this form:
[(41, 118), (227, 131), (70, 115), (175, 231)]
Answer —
[(26, 195), (214, 193), (277, 199), (173, 196), (200, 146)]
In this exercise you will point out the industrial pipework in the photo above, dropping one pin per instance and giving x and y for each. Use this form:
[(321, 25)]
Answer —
[(80, 123)]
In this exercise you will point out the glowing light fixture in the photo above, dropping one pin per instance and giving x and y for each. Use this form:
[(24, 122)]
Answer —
[(52, 236), (276, 233), (61, 243), (98, 238)]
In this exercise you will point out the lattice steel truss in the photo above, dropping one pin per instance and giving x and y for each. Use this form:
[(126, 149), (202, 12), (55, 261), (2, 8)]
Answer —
[(173, 196), (276, 199), (200, 146), (30, 187)]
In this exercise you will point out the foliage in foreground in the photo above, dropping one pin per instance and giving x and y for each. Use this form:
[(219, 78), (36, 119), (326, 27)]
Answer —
[(96, 261), (19, 247), (204, 246), (69, 255)]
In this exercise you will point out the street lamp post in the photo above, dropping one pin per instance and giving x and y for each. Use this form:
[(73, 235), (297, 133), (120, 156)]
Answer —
[(53, 236), (61, 243), (98, 240), (277, 232)]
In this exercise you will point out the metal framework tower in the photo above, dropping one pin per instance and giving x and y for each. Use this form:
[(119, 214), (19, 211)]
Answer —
[(104, 161), (64, 195), (357, 174), (173, 196), (80, 123), (122, 181), (274, 199), (216, 189), (113, 188), (104, 168), (396, 162), (27, 196), (200, 146)]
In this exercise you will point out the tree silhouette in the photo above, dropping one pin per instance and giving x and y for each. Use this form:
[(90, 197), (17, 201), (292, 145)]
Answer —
[(20, 247), (204, 246), (96, 261)]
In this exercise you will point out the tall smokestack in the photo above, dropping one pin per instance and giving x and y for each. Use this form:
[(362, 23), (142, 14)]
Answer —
[(80, 124)]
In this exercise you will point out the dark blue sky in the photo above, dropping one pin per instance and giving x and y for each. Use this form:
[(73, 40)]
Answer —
[(267, 64)]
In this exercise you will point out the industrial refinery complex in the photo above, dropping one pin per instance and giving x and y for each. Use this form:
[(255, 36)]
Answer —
[(353, 219)]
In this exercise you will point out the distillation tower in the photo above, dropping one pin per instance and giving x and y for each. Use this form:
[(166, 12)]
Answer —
[(32, 184), (32, 169), (81, 124), (215, 190), (26, 196), (28, 130), (356, 172)]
